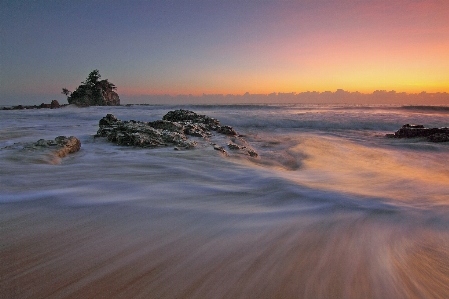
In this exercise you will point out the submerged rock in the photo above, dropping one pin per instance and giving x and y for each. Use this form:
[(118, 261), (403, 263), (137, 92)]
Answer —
[(419, 131), (172, 130), (60, 147), (44, 151)]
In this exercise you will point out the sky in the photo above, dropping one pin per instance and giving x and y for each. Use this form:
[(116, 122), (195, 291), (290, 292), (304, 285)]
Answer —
[(151, 48)]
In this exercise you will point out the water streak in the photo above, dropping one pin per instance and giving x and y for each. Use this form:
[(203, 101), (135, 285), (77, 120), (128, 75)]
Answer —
[(330, 209)]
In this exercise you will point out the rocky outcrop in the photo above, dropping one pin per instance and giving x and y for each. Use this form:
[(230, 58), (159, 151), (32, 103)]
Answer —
[(94, 92), (61, 146), (93, 96), (44, 151), (419, 131), (142, 134), (174, 129)]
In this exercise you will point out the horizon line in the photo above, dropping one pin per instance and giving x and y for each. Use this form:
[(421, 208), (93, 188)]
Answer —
[(294, 93)]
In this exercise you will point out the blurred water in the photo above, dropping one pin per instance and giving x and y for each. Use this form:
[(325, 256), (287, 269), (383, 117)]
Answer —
[(330, 209)]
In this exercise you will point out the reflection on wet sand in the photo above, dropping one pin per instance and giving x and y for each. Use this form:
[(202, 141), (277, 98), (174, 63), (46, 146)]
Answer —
[(119, 251)]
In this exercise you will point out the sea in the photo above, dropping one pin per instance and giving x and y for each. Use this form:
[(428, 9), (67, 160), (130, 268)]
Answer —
[(330, 208)]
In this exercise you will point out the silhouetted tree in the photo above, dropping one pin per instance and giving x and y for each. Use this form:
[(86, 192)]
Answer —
[(65, 91), (92, 78)]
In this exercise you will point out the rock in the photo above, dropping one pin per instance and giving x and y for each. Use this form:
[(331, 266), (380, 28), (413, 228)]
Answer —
[(234, 146), (43, 151), (54, 104), (167, 125), (419, 131), (252, 153), (172, 130), (227, 130), (43, 105), (94, 92), (244, 146), (60, 147), (219, 148), (108, 120), (41, 142), (439, 137), (184, 116), (197, 130), (142, 134)]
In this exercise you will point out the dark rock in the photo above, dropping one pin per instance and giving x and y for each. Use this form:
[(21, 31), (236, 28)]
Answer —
[(219, 148), (172, 130), (439, 137), (227, 130), (197, 130), (108, 120), (183, 116), (167, 125), (419, 131), (54, 104), (252, 153), (142, 134), (249, 151), (234, 146), (238, 143), (93, 96)]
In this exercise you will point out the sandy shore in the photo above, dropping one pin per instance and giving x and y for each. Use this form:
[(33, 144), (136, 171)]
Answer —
[(119, 251)]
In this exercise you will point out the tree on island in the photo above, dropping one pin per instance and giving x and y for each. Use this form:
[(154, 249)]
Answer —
[(93, 92), (66, 91)]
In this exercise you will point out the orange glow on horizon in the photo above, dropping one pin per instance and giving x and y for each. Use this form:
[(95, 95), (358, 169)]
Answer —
[(365, 47)]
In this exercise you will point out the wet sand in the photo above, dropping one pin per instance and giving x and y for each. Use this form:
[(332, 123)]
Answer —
[(129, 251)]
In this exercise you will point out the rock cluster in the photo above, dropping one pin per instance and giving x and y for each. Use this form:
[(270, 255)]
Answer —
[(172, 130), (416, 131), (53, 105), (94, 96)]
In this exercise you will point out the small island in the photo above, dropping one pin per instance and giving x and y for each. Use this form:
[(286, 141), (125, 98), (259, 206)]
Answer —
[(93, 92)]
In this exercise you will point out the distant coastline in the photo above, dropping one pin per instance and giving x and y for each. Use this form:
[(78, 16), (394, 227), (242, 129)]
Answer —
[(53, 105)]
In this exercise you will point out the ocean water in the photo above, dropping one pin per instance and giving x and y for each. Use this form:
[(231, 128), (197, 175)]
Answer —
[(330, 208)]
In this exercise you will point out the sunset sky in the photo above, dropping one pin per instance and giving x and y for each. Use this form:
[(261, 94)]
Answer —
[(226, 47)]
